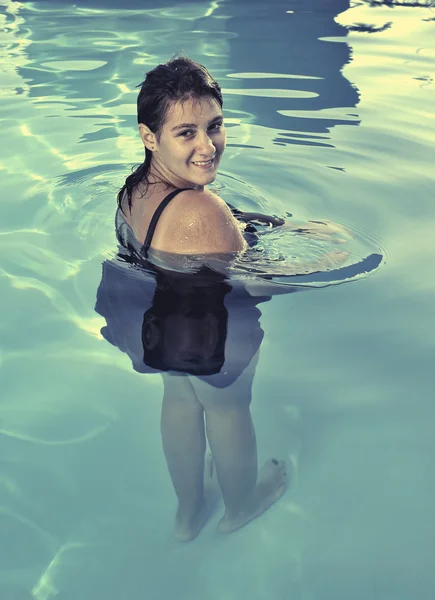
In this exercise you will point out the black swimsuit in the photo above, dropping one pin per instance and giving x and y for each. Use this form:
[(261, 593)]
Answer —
[(125, 234), (156, 216)]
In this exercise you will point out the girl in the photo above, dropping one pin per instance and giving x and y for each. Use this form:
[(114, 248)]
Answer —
[(164, 206)]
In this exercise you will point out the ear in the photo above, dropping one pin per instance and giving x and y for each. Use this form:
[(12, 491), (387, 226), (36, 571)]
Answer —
[(148, 137)]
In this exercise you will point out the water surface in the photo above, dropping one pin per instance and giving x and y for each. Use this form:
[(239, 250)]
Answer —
[(329, 110)]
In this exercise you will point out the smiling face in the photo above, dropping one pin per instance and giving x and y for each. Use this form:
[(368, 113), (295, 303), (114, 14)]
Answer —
[(187, 151)]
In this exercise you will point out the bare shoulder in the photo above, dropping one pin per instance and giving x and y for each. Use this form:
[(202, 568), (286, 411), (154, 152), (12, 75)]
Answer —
[(198, 222)]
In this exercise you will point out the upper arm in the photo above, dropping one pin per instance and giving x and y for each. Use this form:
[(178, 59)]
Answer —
[(197, 222)]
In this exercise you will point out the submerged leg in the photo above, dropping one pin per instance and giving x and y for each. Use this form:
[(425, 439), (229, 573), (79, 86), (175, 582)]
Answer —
[(246, 492), (183, 437), (231, 435)]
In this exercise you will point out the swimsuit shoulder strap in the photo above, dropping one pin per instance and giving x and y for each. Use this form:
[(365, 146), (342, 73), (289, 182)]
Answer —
[(156, 216)]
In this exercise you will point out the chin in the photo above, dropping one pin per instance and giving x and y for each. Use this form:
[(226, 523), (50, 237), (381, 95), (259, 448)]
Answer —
[(211, 178), (204, 181)]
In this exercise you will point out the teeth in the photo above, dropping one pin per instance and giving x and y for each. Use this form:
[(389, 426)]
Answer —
[(203, 162)]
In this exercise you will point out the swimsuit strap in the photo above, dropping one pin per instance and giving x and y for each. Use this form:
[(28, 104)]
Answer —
[(156, 216)]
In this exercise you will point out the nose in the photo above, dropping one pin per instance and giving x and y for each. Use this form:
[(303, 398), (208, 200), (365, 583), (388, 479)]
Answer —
[(205, 145)]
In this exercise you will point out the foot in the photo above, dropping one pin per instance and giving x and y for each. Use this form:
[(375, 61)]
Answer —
[(187, 526), (271, 485)]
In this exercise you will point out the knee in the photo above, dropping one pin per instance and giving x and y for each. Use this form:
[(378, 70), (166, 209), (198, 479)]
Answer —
[(226, 403)]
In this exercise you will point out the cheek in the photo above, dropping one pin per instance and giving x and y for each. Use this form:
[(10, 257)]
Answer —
[(221, 142), (175, 151)]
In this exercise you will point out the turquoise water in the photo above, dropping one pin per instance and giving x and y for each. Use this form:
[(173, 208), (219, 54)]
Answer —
[(330, 115)]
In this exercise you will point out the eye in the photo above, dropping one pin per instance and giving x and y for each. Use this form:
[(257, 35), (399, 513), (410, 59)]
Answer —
[(186, 133), (215, 126)]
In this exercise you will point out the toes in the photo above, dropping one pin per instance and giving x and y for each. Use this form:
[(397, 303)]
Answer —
[(280, 468), (274, 463), (274, 471), (279, 465)]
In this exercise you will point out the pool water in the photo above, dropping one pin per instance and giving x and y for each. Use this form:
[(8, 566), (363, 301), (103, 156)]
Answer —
[(329, 106)]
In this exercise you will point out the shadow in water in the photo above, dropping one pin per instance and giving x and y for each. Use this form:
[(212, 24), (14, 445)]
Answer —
[(401, 3), (367, 28), (293, 46)]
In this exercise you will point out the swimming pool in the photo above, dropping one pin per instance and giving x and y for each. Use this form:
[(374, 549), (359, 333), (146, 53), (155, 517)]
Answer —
[(329, 109)]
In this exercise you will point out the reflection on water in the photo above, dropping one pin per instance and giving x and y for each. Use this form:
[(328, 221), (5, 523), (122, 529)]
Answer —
[(317, 83)]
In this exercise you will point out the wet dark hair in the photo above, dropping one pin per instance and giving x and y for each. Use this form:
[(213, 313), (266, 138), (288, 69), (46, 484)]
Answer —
[(177, 80)]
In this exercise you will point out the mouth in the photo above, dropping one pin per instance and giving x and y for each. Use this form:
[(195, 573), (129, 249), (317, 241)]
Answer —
[(204, 164)]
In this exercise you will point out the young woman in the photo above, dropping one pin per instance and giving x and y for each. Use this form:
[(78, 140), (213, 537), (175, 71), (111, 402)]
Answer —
[(164, 205)]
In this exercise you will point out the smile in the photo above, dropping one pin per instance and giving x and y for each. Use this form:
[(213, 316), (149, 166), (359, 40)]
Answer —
[(203, 163)]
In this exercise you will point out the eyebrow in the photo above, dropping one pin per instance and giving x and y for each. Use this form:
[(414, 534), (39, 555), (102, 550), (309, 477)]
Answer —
[(193, 125)]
